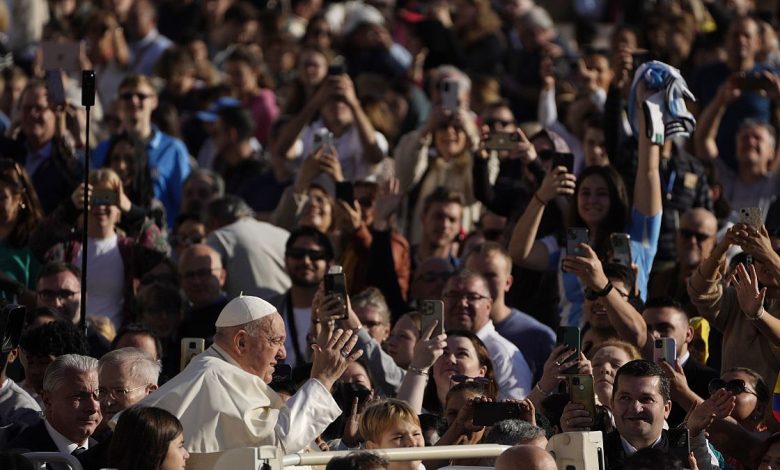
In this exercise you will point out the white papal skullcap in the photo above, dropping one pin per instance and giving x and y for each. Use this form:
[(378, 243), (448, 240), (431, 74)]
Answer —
[(244, 309)]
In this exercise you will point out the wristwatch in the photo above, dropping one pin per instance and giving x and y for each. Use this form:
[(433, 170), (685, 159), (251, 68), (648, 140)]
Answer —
[(591, 294)]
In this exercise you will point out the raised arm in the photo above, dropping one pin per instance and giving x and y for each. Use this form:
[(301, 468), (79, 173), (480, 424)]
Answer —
[(523, 247), (647, 187), (628, 323), (426, 352), (344, 87), (709, 121)]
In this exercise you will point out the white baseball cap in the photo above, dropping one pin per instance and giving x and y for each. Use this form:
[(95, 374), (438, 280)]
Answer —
[(244, 309)]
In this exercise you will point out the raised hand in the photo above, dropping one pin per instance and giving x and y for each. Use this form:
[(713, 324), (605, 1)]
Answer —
[(718, 406), (558, 182), (428, 349), (388, 198), (749, 294), (330, 362), (560, 359), (576, 418), (587, 268)]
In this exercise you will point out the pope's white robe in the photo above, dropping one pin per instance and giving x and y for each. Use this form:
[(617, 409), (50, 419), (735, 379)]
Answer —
[(223, 407)]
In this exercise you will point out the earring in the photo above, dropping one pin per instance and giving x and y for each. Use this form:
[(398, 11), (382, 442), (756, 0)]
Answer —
[(22, 205)]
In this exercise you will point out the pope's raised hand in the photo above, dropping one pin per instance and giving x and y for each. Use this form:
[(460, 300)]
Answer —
[(330, 362)]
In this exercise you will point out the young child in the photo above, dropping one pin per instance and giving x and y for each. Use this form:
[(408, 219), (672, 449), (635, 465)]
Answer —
[(391, 424)]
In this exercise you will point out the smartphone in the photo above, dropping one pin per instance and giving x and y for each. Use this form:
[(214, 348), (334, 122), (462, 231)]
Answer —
[(680, 444), (431, 310), (665, 349), (190, 347), (55, 88), (581, 391), (621, 248), (336, 69), (336, 284), (751, 216), (345, 191), (61, 56), (104, 197), (449, 90), (569, 336), (282, 373), (489, 413), (501, 141), (322, 138), (574, 237), (563, 159)]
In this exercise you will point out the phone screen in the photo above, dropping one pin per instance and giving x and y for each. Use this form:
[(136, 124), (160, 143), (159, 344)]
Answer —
[(489, 413), (335, 284)]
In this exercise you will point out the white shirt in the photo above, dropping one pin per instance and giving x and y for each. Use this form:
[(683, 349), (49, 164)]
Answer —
[(105, 279), (64, 445), (302, 319), (350, 152), (512, 373)]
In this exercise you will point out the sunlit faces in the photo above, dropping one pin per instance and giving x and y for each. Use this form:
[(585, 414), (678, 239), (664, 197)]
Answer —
[(669, 322), (136, 104), (114, 382), (742, 39), (60, 292), (606, 362), (459, 358), (695, 238), (177, 455), (494, 268), (593, 144), (449, 139), (72, 408), (402, 433), (442, 223), (595, 311), (639, 409), (371, 318), (202, 275), (37, 118), (318, 212), (306, 262), (600, 65), (593, 200), (401, 342), (747, 410), (264, 349), (312, 67), (467, 304), (755, 146), (10, 205)]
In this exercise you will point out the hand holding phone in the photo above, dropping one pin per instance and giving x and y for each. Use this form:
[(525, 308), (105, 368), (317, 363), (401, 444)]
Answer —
[(430, 311), (575, 236), (336, 286), (569, 336), (621, 248), (449, 89), (665, 349)]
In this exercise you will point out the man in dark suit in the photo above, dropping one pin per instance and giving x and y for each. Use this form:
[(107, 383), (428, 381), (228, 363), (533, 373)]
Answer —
[(71, 408), (666, 318), (640, 402)]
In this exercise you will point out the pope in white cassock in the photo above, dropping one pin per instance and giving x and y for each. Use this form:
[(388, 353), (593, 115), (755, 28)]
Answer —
[(222, 397)]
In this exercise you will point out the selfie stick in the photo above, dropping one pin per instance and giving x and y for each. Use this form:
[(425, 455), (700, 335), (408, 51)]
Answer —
[(87, 100)]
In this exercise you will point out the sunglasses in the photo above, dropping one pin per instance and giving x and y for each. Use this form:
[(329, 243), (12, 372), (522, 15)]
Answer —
[(700, 237), (735, 386), (301, 253), (491, 122), (458, 378)]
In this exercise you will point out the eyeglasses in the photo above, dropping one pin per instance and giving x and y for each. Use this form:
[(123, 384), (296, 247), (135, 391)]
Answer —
[(491, 122), (458, 378), (301, 253), (51, 294), (735, 386), (116, 392), (700, 237), (471, 297), (199, 273), (129, 95)]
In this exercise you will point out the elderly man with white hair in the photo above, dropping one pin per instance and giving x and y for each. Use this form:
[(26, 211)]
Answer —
[(71, 408), (222, 398)]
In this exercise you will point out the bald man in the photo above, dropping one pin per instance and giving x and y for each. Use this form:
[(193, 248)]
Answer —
[(695, 239), (525, 457), (202, 278)]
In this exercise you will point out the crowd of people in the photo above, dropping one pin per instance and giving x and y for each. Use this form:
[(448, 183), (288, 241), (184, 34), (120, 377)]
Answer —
[(565, 210)]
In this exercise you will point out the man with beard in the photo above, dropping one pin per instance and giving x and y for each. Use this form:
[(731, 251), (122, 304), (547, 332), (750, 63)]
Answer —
[(308, 254), (695, 239)]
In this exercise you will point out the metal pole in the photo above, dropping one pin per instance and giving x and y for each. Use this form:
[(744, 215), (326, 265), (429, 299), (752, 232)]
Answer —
[(87, 100)]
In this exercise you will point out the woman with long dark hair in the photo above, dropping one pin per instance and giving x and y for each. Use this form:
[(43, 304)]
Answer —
[(20, 212), (147, 438)]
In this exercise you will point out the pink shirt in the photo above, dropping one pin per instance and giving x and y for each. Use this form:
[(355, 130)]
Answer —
[(264, 111)]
